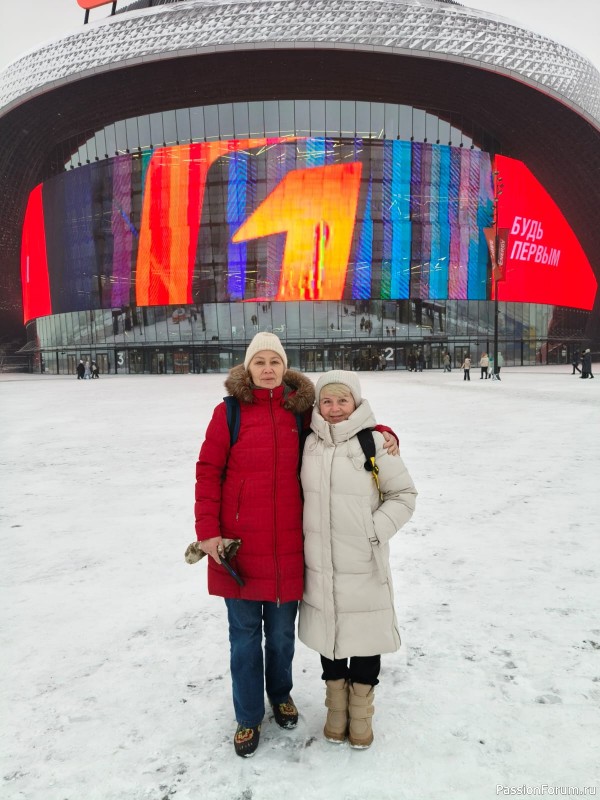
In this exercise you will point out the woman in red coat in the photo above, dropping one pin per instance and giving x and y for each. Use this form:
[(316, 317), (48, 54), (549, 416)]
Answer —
[(250, 491)]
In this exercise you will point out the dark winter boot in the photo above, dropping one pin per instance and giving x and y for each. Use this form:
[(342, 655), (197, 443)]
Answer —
[(336, 700), (286, 714), (361, 710), (246, 740)]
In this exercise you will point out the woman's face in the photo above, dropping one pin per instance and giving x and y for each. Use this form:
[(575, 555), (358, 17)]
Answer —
[(335, 409), (266, 369)]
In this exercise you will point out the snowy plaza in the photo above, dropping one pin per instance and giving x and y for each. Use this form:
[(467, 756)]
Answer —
[(116, 670)]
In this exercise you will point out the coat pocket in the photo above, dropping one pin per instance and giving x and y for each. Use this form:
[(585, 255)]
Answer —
[(369, 527)]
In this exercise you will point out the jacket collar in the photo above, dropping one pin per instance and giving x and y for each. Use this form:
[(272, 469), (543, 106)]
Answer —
[(297, 391), (262, 395), (362, 417)]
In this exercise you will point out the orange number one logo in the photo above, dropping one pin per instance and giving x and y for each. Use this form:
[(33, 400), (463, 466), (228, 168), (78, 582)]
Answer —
[(316, 208)]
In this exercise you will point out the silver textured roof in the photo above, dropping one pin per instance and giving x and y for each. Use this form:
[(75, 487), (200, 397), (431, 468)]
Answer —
[(423, 28)]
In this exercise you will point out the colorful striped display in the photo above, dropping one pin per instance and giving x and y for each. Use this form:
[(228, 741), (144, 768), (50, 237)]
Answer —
[(269, 219)]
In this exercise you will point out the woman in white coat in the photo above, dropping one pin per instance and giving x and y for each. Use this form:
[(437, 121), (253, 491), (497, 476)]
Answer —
[(347, 612)]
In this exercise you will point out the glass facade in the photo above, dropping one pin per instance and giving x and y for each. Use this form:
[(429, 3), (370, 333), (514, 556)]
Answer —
[(317, 336), (272, 118)]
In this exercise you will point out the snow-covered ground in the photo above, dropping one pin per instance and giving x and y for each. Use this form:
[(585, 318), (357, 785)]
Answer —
[(115, 659)]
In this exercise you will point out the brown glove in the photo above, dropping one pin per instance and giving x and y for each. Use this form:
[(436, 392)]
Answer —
[(195, 552)]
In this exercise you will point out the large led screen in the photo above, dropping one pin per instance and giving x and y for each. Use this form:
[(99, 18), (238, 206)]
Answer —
[(544, 262), (268, 219)]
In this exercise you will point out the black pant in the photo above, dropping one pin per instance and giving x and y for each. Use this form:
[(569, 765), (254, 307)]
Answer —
[(467, 376), (362, 669), (484, 372)]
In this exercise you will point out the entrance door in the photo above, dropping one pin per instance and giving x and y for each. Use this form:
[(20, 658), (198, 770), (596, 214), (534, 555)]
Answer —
[(460, 351), (364, 359), (103, 365), (402, 352), (435, 355), (135, 362), (333, 358), (312, 360), (181, 362), (157, 366), (200, 362)]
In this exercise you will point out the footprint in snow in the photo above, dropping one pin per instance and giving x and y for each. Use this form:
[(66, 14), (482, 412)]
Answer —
[(550, 699)]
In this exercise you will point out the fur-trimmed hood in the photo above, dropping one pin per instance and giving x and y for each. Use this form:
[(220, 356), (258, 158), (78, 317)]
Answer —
[(300, 391)]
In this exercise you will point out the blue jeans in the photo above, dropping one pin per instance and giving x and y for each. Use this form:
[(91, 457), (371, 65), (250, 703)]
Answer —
[(248, 674)]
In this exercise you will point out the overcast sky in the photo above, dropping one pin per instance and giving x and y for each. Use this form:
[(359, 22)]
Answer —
[(576, 23)]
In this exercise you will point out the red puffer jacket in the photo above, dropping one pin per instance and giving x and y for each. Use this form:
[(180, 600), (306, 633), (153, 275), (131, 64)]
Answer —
[(251, 491)]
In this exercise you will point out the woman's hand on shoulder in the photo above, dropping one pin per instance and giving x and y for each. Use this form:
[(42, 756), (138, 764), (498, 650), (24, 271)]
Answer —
[(390, 444), (213, 547)]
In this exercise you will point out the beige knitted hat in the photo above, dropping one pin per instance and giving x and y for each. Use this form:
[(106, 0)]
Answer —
[(265, 341), (349, 379)]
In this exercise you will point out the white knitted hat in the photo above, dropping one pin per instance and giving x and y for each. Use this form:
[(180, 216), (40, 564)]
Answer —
[(349, 379), (265, 341)]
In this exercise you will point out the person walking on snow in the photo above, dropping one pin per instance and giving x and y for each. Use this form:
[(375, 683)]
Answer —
[(466, 366), (575, 362), (499, 365), (347, 611), (586, 364)]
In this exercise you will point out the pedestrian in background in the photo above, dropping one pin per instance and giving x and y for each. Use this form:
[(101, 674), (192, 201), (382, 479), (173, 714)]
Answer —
[(499, 364), (575, 362), (484, 363), (466, 366), (80, 370), (586, 364), (87, 371), (446, 362)]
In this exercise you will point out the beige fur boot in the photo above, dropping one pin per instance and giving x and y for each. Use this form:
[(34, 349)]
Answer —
[(336, 700), (361, 710)]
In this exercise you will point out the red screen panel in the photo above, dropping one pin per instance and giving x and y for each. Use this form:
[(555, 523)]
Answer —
[(545, 262), (34, 260)]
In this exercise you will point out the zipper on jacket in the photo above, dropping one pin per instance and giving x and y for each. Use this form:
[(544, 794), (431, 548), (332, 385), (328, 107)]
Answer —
[(275, 501), (239, 502)]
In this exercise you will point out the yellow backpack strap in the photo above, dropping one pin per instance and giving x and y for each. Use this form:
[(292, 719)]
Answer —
[(367, 442)]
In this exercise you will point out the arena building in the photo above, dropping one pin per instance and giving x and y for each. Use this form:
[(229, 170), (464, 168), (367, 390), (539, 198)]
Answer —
[(379, 182)]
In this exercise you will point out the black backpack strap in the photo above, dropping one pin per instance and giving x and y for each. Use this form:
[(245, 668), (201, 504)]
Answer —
[(367, 442), (232, 407), (303, 434), (365, 437)]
